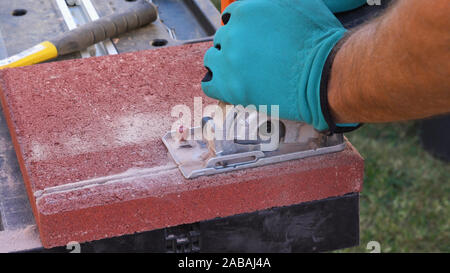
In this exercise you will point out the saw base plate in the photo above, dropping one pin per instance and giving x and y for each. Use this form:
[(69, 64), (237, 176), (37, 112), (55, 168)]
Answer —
[(194, 159)]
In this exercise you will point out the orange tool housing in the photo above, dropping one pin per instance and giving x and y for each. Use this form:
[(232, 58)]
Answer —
[(225, 3)]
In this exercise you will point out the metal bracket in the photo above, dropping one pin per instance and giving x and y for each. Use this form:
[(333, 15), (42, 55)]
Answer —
[(183, 239)]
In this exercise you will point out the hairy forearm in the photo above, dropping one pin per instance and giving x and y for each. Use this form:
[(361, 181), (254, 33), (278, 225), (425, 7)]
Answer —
[(396, 67)]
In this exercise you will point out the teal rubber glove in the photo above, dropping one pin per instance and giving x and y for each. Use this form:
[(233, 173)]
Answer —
[(273, 53), (343, 5)]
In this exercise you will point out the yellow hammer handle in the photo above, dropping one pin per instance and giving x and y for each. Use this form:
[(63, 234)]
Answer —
[(38, 53)]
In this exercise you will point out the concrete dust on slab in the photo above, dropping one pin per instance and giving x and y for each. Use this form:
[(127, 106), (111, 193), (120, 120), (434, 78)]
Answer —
[(140, 127)]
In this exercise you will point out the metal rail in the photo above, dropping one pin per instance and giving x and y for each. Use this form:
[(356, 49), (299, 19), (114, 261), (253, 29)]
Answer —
[(79, 12)]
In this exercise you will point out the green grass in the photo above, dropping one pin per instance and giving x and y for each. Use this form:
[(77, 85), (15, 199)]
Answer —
[(216, 3), (405, 201)]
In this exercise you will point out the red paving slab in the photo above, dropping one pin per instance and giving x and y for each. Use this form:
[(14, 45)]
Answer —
[(87, 134)]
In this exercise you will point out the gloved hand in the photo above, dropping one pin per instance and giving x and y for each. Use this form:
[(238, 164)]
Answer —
[(273, 53), (343, 5)]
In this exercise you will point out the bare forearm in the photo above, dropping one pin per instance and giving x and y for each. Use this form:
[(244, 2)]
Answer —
[(397, 67)]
